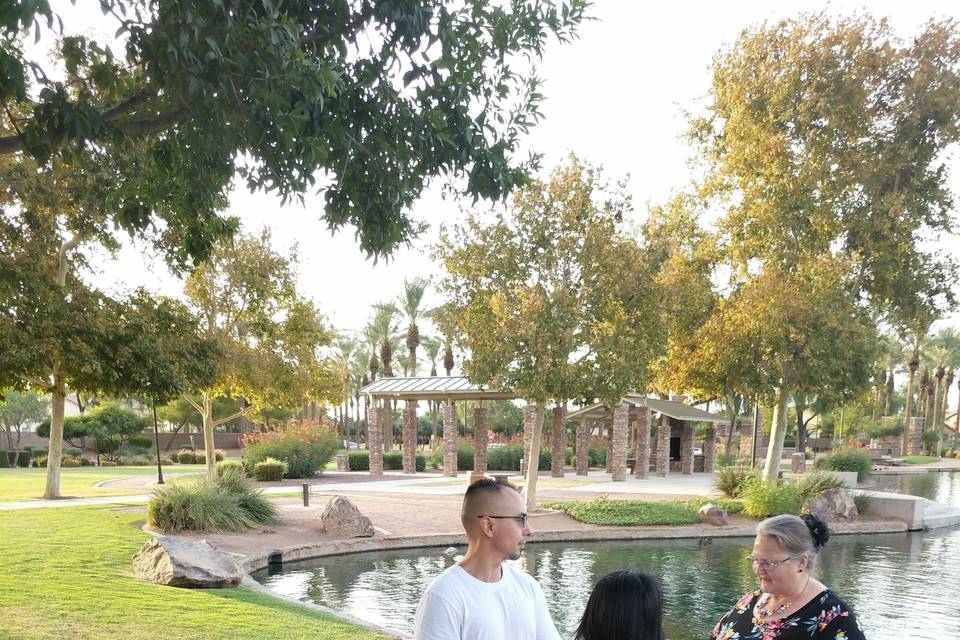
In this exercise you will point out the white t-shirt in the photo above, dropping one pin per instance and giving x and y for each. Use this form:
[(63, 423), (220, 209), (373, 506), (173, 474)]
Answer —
[(457, 606)]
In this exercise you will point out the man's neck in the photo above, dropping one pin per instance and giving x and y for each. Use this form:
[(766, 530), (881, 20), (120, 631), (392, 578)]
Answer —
[(482, 566)]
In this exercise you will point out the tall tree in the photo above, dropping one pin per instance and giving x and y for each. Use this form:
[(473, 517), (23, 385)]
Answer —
[(280, 94), (823, 141), (269, 338), (411, 303), (548, 299)]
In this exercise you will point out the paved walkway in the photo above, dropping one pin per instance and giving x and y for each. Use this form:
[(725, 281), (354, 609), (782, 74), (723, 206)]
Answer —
[(422, 484)]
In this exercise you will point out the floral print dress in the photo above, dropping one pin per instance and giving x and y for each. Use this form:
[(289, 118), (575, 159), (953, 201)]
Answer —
[(826, 617)]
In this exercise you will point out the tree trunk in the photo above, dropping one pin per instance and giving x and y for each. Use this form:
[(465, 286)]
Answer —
[(55, 441), (801, 406), (904, 448), (533, 462), (778, 431), (208, 443)]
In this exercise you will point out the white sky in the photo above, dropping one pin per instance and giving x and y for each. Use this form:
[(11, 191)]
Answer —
[(615, 97)]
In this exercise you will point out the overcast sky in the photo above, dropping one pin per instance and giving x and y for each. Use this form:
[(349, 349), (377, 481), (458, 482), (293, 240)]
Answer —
[(615, 96)]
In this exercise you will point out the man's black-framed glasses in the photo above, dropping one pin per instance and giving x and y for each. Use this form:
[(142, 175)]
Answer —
[(522, 518)]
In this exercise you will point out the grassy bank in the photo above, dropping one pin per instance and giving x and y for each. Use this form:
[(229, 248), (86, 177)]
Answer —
[(27, 484), (641, 512), (66, 574), (920, 459)]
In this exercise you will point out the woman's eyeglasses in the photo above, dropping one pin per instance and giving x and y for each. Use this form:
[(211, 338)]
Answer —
[(769, 564)]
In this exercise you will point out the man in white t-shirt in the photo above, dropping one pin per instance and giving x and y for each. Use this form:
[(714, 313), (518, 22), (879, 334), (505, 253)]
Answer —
[(481, 598)]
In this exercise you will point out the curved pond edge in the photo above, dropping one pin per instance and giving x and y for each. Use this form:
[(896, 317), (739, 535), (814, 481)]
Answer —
[(262, 559)]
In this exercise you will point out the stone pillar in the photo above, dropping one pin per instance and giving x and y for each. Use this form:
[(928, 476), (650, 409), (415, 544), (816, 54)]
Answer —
[(449, 439), (913, 435), (798, 464), (710, 449), (617, 460), (375, 440), (558, 442), (686, 449), (529, 423), (583, 447), (480, 440), (662, 463), (410, 437), (642, 466)]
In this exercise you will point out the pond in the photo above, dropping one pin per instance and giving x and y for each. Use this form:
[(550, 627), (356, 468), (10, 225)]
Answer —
[(894, 582)]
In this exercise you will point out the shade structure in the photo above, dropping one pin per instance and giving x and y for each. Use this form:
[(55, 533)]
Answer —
[(432, 388), (671, 408)]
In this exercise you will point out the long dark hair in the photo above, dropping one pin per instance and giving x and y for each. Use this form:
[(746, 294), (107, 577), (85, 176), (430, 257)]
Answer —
[(625, 605)]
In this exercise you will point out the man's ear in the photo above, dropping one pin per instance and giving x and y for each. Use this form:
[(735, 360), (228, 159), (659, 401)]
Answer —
[(486, 526)]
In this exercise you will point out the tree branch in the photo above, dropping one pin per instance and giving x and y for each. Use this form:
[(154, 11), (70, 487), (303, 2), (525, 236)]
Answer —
[(193, 403), (217, 423)]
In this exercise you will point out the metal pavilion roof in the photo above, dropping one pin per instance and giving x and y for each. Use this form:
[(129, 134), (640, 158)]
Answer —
[(432, 388), (671, 408)]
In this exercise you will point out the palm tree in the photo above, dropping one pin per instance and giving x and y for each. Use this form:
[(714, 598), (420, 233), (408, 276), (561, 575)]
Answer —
[(912, 366), (411, 302), (432, 346), (944, 351), (345, 347), (448, 358), (382, 333)]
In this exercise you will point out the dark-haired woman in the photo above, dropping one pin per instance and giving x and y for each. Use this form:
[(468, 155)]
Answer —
[(790, 603), (625, 605)]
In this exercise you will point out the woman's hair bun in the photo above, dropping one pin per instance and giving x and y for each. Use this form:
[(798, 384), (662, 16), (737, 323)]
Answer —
[(818, 530)]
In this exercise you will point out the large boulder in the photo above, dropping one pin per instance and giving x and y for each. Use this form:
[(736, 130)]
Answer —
[(712, 514), (833, 505), (342, 519), (184, 563)]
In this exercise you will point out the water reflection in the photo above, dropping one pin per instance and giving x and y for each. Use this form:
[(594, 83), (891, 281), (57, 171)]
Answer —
[(901, 585)]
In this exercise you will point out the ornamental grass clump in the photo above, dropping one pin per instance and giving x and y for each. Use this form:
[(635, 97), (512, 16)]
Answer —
[(761, 500), (226, 503), (810, 485), (731, 480)]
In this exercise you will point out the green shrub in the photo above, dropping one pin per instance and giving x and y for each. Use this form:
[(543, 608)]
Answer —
[(464, 457), (305, 448), (597, 457), (393, 461), (846, 460), (23, 460), (761, 500), (505, 458), (137, 461), (929, 439), (730, 480), (228, 466), (5, 459), (69, 462), (140, 441), (36, 450), (40, 460), (227, 503), (810, 485), (862, 502), (186, 456), (107, 463), (269, 470), (76, 452), (359, 460)]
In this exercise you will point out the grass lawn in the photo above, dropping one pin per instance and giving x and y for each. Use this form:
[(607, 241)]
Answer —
[(641, 512), (27, 484), (66, 574), (919, 459)]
